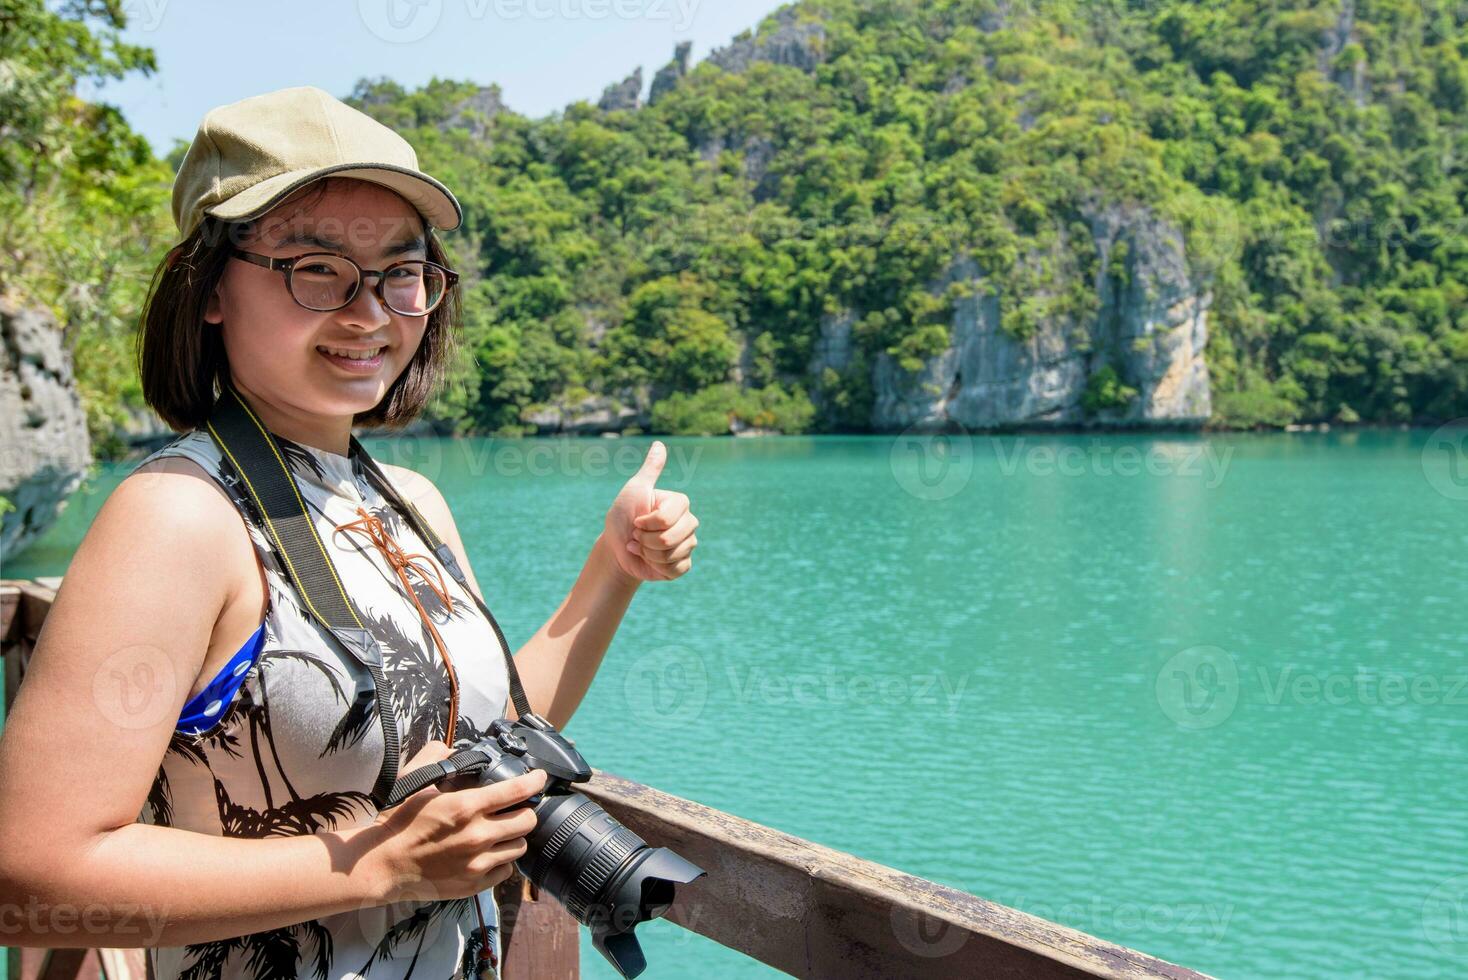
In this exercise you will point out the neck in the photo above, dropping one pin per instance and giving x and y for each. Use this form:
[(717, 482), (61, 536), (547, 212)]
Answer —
[(331, 434)]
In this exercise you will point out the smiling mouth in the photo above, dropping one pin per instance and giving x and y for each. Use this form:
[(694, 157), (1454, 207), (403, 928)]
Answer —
[(366, 354)]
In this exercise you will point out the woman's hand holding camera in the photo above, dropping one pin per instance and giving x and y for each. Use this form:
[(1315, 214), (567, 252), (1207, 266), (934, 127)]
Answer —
[(457, 841)]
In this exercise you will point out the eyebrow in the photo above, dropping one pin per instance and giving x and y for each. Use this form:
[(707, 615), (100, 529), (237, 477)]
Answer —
[(414, 243)]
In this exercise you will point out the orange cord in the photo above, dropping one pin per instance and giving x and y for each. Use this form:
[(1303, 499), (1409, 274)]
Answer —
[(400, 561)]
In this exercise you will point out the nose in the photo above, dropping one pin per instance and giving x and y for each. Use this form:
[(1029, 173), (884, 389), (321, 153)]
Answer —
[(366, 309)]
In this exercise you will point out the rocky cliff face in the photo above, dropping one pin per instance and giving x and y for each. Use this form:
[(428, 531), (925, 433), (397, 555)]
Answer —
[(44, 447), (799, 44), (1151, 328)]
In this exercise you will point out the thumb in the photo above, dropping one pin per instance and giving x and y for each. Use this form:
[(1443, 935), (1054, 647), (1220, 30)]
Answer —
[(652, 464)]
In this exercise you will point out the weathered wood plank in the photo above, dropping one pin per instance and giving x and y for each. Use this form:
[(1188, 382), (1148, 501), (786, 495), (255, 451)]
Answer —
[(539, 938), (815, 912)]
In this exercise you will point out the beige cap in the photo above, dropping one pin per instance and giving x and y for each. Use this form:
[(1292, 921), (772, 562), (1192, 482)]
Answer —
[(249, 155)]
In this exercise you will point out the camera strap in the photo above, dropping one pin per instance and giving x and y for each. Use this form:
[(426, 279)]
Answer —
[(257, 457)]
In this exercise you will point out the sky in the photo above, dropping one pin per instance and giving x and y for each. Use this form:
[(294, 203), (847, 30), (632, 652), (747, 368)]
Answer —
[(544, 54)]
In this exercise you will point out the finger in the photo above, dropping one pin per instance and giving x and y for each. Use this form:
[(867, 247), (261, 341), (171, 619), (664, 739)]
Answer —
[(652, 463), (671, 505), (498, 796), (509, 824), (666, 556), (493, 855), (670, 536)]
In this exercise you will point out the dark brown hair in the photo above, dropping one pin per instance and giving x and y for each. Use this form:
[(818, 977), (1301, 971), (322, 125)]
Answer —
[(181, 358)]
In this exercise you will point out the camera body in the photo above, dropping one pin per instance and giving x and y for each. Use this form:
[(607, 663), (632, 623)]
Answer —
[(606, 876)]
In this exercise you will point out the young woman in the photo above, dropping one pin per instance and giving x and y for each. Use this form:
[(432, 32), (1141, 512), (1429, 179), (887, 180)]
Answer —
[(188, 764)]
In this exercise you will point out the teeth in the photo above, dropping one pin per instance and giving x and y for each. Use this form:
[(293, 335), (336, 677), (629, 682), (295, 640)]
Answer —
[(359, 355)]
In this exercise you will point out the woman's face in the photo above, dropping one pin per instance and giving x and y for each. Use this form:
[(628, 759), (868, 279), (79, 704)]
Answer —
[(276, 347)]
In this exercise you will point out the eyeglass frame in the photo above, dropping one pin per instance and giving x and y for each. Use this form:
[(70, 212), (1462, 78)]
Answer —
[(286, 267)]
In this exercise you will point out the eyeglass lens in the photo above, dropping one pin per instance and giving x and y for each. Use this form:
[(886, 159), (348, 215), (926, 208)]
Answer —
[(328, 282)]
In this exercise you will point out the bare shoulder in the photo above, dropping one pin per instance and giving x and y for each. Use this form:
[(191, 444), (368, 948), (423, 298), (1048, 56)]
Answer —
[(173, 516), (139, 601)]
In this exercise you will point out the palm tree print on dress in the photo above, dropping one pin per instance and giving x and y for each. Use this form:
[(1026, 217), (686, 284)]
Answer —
[(299, 458), (190, 747), (414, 929), (419, 681), (273, 955)]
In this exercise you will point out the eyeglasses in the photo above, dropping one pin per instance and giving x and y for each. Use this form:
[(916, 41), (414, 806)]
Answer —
[(325, 281)]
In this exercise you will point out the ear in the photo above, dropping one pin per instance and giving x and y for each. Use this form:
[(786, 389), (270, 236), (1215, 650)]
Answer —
[(214, 310)]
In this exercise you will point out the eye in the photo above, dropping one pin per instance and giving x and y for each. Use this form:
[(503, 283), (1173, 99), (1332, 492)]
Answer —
[(316, 269)]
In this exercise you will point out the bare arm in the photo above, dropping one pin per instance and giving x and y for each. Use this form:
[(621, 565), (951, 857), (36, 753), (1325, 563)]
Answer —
[(114, 662), (558, 663)]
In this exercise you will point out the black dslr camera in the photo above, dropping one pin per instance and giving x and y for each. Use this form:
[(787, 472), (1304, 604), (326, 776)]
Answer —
[(607, 877)]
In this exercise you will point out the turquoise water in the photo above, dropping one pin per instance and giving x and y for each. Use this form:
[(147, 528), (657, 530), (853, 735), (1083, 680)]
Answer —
[(1202, 696)]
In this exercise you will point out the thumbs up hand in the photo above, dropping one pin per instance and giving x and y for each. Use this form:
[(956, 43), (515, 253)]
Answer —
[(650, 531)]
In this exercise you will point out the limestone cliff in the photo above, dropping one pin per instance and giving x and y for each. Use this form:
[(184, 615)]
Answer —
[(1150, 329), (43, 429)]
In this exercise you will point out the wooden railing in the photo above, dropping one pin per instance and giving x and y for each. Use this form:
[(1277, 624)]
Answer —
[(801, 908)]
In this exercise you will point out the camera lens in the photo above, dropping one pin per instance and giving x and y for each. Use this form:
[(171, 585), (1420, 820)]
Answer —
[(606, 876)]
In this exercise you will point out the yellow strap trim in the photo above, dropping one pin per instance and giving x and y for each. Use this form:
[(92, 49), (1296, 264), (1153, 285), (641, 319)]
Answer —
[(260, 504)]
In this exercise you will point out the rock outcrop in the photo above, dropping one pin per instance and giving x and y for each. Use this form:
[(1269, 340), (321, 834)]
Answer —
[(791, 41), (44, 447), (1151, 328), (591, 415), (668, 76), (626, 94), (477, 112)]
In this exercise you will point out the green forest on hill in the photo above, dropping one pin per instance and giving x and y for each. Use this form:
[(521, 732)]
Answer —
[(1312, 153)]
